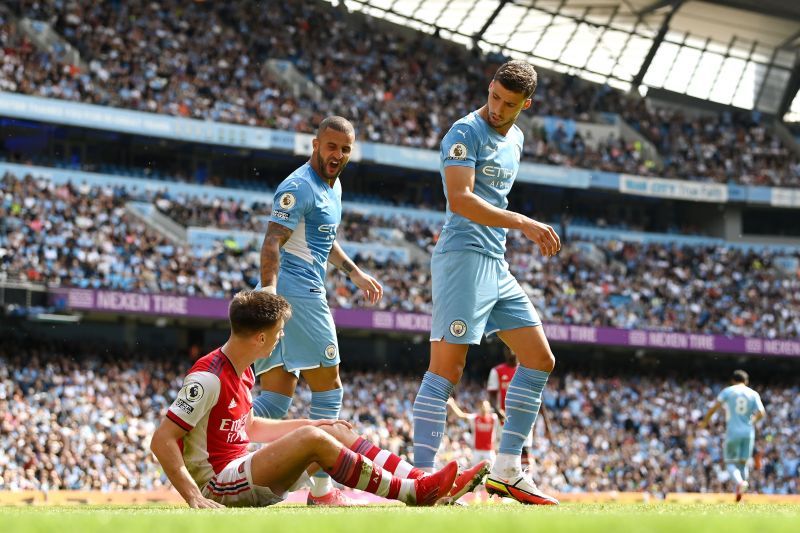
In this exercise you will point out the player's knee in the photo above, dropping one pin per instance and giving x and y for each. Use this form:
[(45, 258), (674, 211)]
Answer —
[(541, 359), (548, 361), (316, 442), (310, 437), (451, 371)]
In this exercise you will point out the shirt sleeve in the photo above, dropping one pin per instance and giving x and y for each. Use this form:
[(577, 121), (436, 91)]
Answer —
[(196, 398), (460, 147), (494, 381), (723, 395), (292, 201)]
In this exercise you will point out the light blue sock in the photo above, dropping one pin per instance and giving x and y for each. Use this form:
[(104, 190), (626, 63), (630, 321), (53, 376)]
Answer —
[(325, 405), (523, 399), (271, 405), (430, 416), (745, 471)]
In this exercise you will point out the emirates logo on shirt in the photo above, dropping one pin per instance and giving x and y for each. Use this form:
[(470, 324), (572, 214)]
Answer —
[(235, 428)]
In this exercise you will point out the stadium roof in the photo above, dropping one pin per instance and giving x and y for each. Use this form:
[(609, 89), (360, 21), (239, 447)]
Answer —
[(740, 52)]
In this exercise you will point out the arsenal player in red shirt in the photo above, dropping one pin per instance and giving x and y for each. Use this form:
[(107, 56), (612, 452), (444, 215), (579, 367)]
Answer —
[(483, 427), (202, 442)]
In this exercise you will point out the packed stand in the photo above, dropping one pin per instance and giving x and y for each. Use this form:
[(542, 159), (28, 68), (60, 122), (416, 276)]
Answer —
[(147, 56), (635, 286), (82, 236), (71, 418), (612, 154), (687, 288), (690, 288), (725, 148), (84, 423)]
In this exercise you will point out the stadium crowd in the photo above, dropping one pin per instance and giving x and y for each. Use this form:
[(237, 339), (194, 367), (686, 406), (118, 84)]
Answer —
[(152, 57), (77, 417), (689, 288), (83, 422), (82, 236)]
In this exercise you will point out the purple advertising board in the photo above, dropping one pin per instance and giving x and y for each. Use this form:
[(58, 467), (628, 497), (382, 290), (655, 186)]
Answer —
[(216, 308)]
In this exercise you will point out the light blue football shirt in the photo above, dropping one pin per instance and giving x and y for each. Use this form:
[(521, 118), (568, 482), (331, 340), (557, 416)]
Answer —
[(306, 204), (471, 142), (740, 402)]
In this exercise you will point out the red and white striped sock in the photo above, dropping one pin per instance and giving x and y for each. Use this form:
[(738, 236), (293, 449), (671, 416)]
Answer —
[(358, 472), (385, 459)]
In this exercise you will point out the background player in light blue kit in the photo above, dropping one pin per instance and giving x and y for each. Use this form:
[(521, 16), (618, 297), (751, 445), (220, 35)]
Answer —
[(474, 292), (300, 242), (743, 408)]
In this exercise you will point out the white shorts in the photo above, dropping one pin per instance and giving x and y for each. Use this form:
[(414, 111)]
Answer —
[(234, 487), (483, 455)]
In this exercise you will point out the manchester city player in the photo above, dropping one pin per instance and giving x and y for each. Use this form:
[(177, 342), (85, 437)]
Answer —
[(300, 241), (473, 291), (743, 408)]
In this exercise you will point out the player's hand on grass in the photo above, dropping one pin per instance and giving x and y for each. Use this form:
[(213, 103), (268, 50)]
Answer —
[(204, 503), (543, 235), (373, 290)]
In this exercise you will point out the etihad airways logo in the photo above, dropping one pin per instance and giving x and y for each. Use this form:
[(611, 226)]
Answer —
[(497, 172)]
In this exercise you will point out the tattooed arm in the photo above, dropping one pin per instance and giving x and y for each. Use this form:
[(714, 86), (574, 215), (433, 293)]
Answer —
[(339, 259), (373, 290), (276, 237)]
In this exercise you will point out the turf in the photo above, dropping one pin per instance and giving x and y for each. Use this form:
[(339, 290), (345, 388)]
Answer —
[(673, 518)]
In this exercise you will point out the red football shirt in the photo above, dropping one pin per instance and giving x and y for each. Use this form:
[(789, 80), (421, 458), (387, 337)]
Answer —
[(483, 428), (499, 379), (213, 406)]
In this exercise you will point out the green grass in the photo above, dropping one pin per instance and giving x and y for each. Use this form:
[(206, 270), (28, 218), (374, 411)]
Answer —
[(673, 518)]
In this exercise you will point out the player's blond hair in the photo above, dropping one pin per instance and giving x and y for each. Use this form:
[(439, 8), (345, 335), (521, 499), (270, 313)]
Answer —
[(518, 76), (255, 311)]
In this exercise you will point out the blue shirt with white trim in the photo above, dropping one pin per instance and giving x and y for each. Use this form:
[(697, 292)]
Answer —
[(472, 142), (309, 207), (740, 403)]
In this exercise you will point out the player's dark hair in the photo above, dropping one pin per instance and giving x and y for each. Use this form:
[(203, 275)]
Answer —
[(517, 76), (336, 123), (254, 311), (740, 376)]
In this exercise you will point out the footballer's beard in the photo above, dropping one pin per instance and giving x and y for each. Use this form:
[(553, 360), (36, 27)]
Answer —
[(323, 166), (496, 122), (500, 123)]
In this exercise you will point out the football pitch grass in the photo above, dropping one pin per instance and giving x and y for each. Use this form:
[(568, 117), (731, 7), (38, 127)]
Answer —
[(576, 517)]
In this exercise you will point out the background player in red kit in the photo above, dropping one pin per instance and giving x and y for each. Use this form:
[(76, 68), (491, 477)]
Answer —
[(202, 442), (483, 426), (499, 378)]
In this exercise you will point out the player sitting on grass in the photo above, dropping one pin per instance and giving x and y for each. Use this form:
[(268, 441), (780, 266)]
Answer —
[(202, 442)]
